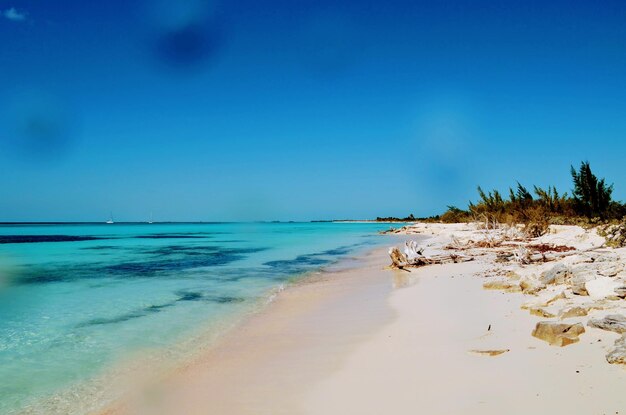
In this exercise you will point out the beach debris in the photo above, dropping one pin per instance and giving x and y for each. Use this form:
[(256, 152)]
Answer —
[(550, 248), (532, 254), (558, 334), (412, 251), (405, 230), (495, 352), (612, 322), (570, 272), (398, 259), (510, 245), (413, 257), (504, 256), (618, 354)]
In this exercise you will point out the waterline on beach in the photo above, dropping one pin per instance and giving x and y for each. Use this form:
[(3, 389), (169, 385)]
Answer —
[(75, 305)]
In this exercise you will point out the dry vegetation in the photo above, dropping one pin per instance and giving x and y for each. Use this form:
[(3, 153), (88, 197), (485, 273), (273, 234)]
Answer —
[(589, 204)]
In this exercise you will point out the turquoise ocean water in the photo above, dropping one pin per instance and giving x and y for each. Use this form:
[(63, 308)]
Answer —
[(75, 298)]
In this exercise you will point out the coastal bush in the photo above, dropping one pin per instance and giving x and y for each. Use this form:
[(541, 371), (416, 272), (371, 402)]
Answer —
[(592, 196), (454, 215), (536, 221), (409, 218), (589, 205)]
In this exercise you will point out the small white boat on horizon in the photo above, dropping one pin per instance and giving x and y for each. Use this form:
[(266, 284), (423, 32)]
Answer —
[(110, 221)]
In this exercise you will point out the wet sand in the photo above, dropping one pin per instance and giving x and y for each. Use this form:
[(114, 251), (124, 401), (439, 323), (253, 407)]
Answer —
[(266, 365)]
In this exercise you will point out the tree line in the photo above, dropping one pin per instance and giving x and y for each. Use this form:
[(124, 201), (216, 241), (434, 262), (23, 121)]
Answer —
[(590, 201)]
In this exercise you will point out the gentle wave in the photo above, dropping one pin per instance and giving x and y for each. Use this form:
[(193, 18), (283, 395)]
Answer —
[(79, 298)]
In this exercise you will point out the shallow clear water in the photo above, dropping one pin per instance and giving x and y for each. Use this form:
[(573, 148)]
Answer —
[(76, 297)]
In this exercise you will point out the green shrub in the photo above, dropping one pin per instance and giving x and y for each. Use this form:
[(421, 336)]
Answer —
[(592, 196), (454, 215), (589, 205)]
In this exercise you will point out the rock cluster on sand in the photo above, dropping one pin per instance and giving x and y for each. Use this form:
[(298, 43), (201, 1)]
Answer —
[(569, 274), (558, 334), (613, 322), (615, 235), (618, 354), (575, 311)]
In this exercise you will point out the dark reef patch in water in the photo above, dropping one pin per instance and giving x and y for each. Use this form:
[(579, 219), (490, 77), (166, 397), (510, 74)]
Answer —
[(283, 269), (179, 235), (163, 262), (182, 249), (342, 250), (101, 247), (279, 270), (226, 299), (25, 239), (178, 261), (156, 308), (118, 319), (170, 237), (299, 261), (152, 267), (197, 296), (189, 296), (42, 276)]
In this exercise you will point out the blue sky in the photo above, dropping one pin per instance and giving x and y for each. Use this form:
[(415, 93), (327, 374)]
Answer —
[(250, 110)]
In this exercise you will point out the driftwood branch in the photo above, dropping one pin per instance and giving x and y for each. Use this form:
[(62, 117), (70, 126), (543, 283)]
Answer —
[(521, 252), (413, 257), (530, 254)]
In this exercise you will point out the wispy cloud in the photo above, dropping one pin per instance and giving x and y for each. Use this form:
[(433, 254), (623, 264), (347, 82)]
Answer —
[(14, 15)]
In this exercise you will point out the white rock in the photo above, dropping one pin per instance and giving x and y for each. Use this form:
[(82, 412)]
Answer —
[(558, 274), (602, 287), (612, 322), (530, 285), (585, 269), (610, 258), (618, 354), (610, 269)]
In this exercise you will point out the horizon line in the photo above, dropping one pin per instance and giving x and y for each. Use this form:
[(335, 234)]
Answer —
[(178, 222)]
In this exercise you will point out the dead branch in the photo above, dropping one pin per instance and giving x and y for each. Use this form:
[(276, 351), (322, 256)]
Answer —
[(418, 259)]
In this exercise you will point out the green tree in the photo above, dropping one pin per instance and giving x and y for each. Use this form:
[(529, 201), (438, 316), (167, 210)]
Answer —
[(521, 196), (592, 196), (493, 202), (551, 200)]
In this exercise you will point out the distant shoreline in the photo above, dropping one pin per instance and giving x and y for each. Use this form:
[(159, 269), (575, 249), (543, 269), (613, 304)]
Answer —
[(373, 221), (202, 222)]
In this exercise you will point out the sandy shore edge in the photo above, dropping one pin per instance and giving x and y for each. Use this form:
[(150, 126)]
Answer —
[(372, 340), (260, 357)]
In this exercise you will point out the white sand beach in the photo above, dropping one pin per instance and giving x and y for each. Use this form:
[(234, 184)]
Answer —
[(374, 340)]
